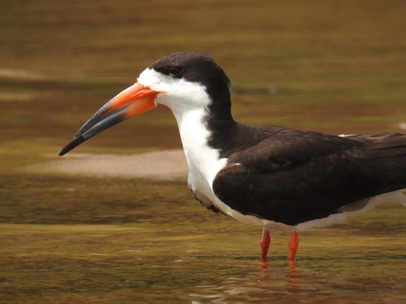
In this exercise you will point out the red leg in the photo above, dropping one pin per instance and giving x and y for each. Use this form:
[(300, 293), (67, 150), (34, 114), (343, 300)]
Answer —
[(265, 241), (293, 244)]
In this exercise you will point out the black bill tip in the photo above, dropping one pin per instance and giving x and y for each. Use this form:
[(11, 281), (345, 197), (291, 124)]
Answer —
[(76, 141)]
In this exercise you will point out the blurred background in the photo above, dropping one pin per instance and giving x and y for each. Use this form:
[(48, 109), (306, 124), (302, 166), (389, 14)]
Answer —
[(334, 66), (330, 66)]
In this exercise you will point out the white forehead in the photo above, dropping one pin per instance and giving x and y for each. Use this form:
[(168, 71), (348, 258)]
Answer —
[(177, 90), (151, 79)]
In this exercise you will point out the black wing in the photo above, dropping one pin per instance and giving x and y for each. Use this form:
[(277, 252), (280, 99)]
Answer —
[(295, 176)]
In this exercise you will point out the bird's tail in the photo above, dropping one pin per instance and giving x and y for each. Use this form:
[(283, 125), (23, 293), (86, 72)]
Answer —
[(398, 196)]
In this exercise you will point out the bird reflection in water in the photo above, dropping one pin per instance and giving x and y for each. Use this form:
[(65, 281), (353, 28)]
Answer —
[(271, 282)]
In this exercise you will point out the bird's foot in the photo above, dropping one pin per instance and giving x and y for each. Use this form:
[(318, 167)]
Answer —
[(265, 242), (293, 244)]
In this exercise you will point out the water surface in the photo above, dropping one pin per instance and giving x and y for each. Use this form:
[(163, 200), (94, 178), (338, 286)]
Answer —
[(330, 66)]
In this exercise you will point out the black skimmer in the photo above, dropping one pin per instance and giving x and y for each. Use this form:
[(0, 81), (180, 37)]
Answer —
[(267, 176)]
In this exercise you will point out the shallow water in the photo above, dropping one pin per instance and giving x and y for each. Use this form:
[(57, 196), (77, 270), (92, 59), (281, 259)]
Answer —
[(335, 67), (214, 262)]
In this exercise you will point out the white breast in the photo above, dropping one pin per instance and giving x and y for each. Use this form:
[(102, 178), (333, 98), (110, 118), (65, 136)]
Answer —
[(203, 161)]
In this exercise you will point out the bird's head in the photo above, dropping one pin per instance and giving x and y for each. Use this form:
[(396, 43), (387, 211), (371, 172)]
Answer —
[(183, 81)]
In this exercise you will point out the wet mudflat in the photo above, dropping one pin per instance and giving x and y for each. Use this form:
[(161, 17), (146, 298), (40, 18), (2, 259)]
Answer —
[(335, 67)]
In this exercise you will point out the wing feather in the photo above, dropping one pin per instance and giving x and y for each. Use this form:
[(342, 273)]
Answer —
[(295, 176)]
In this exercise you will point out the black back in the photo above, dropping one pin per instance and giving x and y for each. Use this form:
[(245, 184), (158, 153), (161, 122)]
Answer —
[(294, 176)]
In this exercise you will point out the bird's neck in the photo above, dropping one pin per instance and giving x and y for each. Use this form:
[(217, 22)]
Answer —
[(196, 134)]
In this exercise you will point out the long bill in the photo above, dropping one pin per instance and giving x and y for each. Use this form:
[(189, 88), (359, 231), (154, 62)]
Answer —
[(132, 101)]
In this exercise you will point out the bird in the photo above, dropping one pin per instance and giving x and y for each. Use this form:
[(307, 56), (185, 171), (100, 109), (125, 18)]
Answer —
[(269, 176)]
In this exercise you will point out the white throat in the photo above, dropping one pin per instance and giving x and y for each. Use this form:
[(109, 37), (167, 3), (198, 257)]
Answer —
[(189, 102), (204, 162)]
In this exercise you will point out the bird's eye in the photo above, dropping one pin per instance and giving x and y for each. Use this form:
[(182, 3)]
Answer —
[(175, 71)]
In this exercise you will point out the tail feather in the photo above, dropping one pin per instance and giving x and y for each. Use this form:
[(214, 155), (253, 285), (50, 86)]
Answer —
[(398, 196), (402, 198)]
